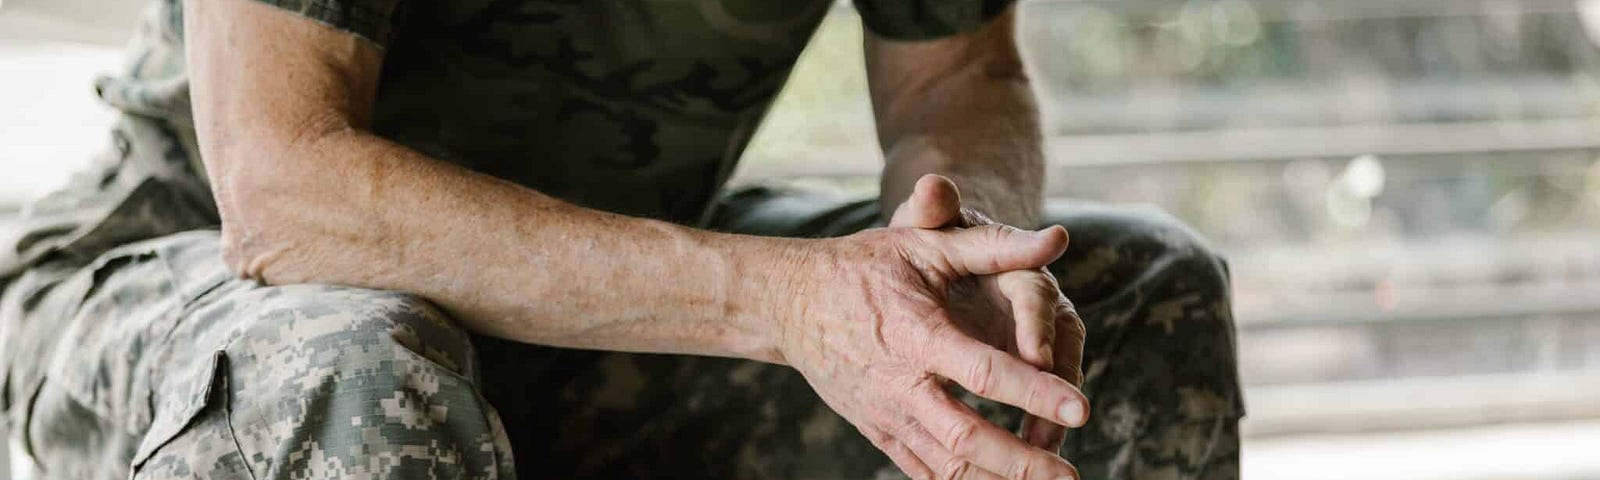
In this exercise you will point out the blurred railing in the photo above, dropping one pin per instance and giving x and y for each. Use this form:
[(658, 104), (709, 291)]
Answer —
[(1408, 192)]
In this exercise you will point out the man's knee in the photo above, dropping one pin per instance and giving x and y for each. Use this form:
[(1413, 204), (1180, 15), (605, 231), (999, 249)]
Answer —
[(1115, 248), (321, 327), (1159, 359), (328, 376), (1155, 298)]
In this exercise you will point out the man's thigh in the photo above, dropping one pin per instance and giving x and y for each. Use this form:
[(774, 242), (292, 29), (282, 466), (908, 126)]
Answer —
[(1159, 357), (154, 361)]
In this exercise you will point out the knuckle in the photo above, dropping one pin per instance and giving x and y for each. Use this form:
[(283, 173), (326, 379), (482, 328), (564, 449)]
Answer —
[(899, 241), (1021, 470), (917, 237), (1038, 393), (1046, 286), (1043, 282), (980, 376), (957, 469), (901, 428), (1065, 305), (879, 438), (1074, 322), (960, 436), (931, 342), (996, 233), (927, 250)]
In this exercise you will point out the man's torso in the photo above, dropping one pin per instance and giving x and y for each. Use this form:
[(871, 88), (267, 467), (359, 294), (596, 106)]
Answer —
[(638, 107)]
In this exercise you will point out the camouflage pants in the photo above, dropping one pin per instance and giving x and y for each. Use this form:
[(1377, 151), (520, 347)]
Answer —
[(127, 348)]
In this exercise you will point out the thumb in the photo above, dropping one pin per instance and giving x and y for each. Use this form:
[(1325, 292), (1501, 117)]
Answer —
[(934, 202), (992, 249)]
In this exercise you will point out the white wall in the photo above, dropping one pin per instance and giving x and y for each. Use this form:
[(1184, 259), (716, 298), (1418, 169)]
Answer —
[(50, 52)]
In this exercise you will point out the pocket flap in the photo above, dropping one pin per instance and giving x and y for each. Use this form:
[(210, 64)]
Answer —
[(181, 401)]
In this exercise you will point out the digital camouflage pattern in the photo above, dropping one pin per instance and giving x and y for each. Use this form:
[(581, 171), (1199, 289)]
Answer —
[(154, 358), (128, 349)]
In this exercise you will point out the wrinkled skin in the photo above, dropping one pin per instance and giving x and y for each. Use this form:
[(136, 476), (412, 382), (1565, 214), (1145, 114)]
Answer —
[(1022, 312), (877, 339)]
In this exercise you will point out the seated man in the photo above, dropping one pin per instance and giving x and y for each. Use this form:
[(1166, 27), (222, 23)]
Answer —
[(472, 238)]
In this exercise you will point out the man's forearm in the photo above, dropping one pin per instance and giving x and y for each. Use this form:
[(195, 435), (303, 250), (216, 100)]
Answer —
[(504, 260), (307, 195), (994, 156), (960, 107)]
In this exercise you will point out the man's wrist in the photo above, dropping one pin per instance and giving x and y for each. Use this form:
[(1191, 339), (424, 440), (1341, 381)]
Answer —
[(1011, 201), (766, 286)]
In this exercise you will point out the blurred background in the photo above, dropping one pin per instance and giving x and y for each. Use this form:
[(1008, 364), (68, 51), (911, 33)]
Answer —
[(1408, 192)]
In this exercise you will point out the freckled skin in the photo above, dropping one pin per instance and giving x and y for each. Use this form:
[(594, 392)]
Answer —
[(863, 317)]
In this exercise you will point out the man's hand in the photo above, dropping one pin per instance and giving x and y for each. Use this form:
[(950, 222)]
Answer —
[(873, 332), (1021, 311)]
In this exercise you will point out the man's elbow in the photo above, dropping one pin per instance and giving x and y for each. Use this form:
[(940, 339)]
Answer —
[(243, 256), (253, 232), (292, 195), (262, 196)]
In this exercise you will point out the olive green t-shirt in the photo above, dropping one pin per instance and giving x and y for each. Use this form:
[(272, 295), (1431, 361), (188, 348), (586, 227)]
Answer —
[(639, 107)]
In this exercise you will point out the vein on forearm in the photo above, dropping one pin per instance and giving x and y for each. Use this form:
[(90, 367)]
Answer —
[(307, 195), (505, 260)]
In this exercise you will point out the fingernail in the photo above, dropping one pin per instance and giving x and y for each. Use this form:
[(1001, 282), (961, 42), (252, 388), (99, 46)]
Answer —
[(1050, 232), (1064, 477), (1072, 412)]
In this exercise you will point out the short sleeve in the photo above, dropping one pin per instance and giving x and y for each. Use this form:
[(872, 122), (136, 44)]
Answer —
[(926, 19), (369, 19)]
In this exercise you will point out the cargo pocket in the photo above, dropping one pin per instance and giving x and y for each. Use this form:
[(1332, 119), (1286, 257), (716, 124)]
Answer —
[(70, 361), (190, 435)]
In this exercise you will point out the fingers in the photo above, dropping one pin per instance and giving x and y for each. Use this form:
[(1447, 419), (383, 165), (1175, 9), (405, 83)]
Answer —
[(1068, 365), (1033, 296), (1043, 434), (991, 249), (934, 454), (996, 375), (1070, 334), (974, 439), (934, 202)]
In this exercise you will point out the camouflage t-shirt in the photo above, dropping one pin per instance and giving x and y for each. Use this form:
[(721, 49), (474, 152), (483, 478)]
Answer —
[(633, 106), (638, 107)]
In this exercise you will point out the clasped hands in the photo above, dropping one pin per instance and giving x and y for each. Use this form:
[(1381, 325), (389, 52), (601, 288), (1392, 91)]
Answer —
[(940, 297)]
